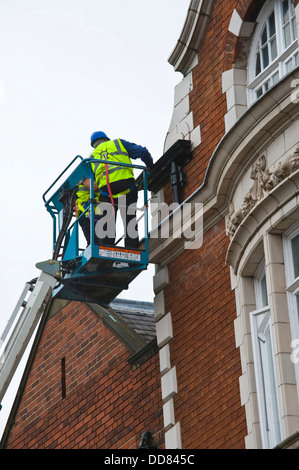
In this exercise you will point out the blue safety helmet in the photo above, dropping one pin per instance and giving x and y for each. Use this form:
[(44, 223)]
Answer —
[(97, 135)]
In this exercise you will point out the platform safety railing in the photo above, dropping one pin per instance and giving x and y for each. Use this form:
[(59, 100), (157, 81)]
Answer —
[(53, 203)]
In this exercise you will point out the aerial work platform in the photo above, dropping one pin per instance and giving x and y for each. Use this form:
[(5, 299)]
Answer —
[(95, 278), (94, 273)]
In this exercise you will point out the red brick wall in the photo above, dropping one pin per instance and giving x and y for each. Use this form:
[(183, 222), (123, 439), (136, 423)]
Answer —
[(106, 404), (207, 101), (203, 349), (199, 294)]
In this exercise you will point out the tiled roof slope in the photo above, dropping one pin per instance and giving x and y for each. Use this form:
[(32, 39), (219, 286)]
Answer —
[(138, 315)]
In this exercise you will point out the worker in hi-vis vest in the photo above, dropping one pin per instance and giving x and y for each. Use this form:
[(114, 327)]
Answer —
[(117, 186), (82, 204)]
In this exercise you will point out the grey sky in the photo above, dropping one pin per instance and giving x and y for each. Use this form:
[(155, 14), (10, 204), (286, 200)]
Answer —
[(68, 68)]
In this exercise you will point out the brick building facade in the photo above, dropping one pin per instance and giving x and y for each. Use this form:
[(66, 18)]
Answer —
[(226, 306), (86, 388), (227, 312)]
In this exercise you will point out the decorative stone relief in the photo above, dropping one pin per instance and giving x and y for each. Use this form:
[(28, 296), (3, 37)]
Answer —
[(264, 181)]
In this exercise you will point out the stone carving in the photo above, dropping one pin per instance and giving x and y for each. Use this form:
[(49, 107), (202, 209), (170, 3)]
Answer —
[(257, 172), (264, 181), (281, 171)]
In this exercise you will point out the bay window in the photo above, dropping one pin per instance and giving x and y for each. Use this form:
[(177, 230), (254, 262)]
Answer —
[(274, 49)]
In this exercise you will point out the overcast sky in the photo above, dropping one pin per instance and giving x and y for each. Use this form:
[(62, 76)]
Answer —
[(68, 68)]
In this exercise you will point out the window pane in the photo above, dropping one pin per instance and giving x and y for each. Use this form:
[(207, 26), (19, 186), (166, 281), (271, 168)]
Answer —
[(295, 252), (275, 78), (264, 35), (264, 292), (267, 85), (285, 11), (265, 55), (294, 33), (273, 49), (289, 65), (259, 92), (258, 64), (287, 35), (272, 24)]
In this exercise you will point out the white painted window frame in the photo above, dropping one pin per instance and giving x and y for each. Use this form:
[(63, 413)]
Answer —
[(283, 54), (264, 366), (292, 289)]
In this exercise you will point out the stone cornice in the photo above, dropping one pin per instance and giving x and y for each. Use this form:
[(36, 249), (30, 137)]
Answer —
[(191, 36), (261, 214), (247, 139), (236, 152)]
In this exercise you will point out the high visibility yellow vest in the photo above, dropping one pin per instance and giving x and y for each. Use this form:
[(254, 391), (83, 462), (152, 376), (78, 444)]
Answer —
[(83, 196), (112, 150)]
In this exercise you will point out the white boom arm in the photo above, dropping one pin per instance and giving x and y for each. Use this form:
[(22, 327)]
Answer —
[(20, 327)]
